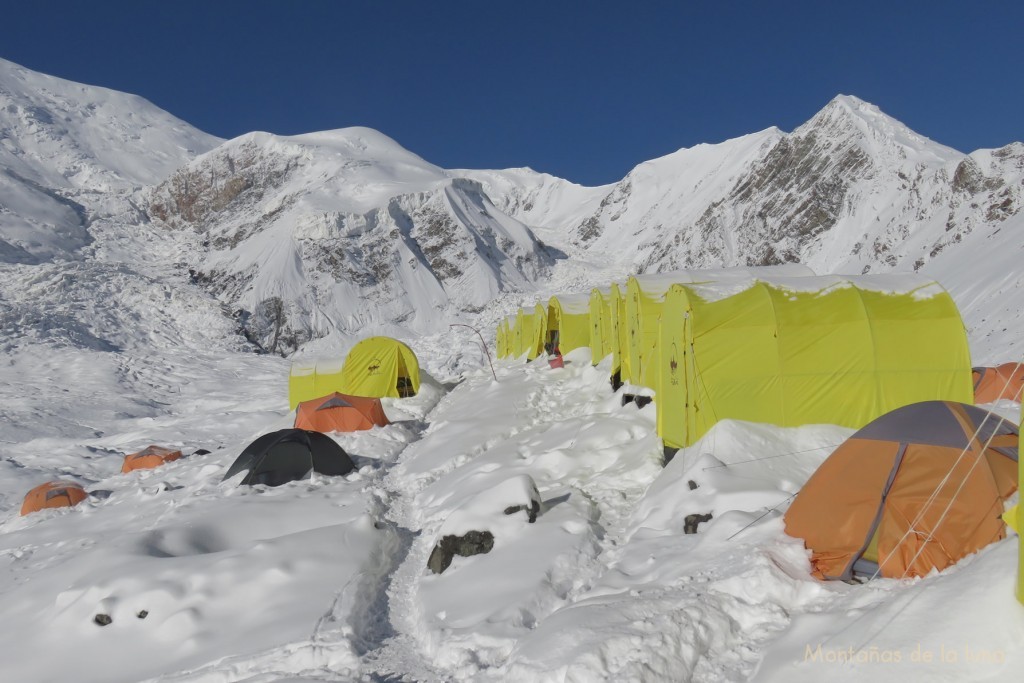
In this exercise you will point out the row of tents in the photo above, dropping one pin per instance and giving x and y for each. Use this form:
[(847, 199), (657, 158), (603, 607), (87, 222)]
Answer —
[(374, 368), (772, 344), (920, 485)]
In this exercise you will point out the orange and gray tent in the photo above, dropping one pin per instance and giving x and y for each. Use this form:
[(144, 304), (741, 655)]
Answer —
[(1004, 381), (917, 489), (148, 458), (289, 455), (340, 413), (53, 494)]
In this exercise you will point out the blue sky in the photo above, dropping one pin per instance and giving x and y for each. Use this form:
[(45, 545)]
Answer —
[(583, 90)]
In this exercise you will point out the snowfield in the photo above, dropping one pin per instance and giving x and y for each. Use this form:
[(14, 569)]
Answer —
[(327, 579), (605, 563)]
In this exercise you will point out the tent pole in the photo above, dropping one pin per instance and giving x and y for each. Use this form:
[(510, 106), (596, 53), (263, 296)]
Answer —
[(483, 344)]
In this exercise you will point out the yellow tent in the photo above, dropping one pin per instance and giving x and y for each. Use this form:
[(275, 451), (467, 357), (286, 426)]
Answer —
[(530, 331), (375, 367), (620, 355), (645, 295), (501, 338), (380, 366), (805, 350), (568, 322), (600, 324)]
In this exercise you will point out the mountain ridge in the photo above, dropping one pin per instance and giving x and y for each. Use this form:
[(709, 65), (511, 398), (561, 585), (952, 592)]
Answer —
[(332, 234)]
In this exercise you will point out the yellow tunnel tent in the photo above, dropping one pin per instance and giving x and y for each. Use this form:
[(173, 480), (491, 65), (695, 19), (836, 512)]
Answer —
[(512, 338), (619, 351), (531, 326), (501, 338), (806, 350), (568, 325), (600, 324), (645, 295)]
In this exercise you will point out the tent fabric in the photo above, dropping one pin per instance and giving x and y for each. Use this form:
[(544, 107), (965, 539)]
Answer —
[(531, 326), (289, 455), (501, 339), (53, 494), (148, 458), (379, 367), (857, 509), (340, 413), (375, 367), (1002, 382), (645, 296), (569, 319), (619, 332), (600, 324), (842, 354)]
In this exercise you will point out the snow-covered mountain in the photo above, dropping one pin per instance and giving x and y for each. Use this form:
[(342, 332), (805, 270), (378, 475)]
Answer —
[(343, 231), (346, 232), (137, 252), (65, 146), (851, 190)]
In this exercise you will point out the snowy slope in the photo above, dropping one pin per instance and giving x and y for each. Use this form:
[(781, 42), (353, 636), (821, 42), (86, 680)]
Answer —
[(851, 190), (62, 144), (110, 343), (343, 232)]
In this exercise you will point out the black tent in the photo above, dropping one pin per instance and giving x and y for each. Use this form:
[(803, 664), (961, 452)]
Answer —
[(288, 455)]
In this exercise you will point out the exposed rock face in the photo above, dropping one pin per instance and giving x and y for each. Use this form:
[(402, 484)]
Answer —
[(852, 190), (340, 232), (471, 543)]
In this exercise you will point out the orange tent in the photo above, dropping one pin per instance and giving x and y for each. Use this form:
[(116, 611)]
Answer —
[(148, 458), (340, 413), (1002, 381), (53, 494), (917, 489)]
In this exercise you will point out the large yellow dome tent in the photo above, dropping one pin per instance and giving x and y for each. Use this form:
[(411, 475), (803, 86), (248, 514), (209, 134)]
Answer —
[(794, 351), (375, 367), (568, 324)]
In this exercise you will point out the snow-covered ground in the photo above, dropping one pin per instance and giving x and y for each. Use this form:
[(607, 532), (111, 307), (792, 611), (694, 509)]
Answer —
[(109, 344), (328, 580)]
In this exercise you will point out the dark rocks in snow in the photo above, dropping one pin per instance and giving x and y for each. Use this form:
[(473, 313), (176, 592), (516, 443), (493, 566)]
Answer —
[(102, 619), (692, 484), (532, 511), (640, 401), (472, 543), (143, 614), (691, 522)]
